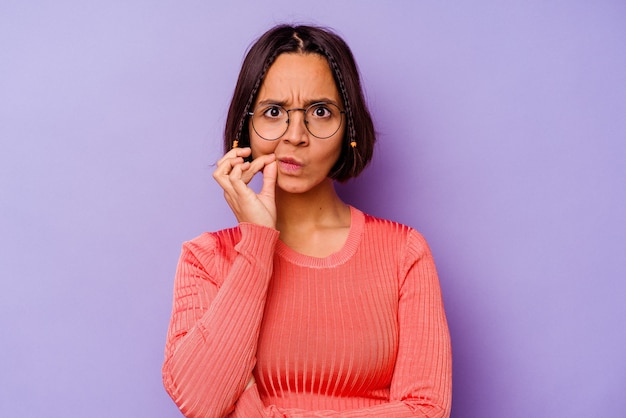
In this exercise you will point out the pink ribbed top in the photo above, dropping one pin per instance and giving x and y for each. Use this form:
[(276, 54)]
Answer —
[(360, 333)]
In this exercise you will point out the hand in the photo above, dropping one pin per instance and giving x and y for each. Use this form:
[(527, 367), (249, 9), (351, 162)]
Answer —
[(233, 175)]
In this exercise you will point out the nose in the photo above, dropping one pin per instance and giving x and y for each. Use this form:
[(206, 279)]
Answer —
[(297, 132)]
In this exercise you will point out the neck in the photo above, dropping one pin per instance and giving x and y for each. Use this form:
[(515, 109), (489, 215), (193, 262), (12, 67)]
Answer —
[(320, 206)]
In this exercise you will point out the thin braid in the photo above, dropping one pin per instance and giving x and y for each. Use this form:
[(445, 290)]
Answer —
[(253, 93), (349, 116), (344, 95)]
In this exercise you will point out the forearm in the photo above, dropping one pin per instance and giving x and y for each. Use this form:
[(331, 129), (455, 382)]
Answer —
[(210, 360), (251, 406)]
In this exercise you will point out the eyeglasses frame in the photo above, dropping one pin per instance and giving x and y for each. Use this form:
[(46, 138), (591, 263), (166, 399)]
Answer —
[(306, 122)]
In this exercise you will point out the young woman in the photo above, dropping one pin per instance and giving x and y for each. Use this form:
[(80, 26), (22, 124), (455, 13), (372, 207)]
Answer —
[(308, 307)]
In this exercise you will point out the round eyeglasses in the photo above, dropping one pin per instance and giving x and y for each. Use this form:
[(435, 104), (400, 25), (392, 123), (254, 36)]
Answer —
[(271, 121)]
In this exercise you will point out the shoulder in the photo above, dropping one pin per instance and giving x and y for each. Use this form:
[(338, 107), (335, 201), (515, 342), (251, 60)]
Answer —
[(211, 248), (214, 252), (391, 234), (209, 242), (389, 228)]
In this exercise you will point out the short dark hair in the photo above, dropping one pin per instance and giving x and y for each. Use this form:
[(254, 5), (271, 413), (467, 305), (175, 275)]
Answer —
[(316, 40)]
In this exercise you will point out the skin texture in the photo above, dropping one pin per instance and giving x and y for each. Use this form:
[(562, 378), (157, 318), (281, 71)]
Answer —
[(297, 197)]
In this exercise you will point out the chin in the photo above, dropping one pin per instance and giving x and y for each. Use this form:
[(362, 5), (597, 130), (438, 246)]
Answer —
[(292, 188), (297, 185)]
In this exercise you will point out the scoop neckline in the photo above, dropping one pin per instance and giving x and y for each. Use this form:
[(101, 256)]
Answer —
[(357, 220)]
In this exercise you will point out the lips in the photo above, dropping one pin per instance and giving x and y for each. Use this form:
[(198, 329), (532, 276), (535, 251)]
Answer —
[(289, 165)]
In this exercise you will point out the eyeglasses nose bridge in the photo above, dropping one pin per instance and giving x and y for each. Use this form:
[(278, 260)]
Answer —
[(303, 114)]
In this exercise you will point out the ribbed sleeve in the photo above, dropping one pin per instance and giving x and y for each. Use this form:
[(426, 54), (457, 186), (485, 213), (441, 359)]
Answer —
[(361, 333), (212, 340)]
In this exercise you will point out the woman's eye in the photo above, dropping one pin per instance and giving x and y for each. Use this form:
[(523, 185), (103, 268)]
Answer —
[(272, 112), (321, 112)]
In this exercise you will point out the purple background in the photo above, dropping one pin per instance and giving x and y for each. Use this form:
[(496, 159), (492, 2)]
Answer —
[(502, 138)]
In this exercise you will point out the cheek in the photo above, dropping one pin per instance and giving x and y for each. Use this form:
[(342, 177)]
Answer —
[(335, 156), (329, 157), (260, 146), (335, 153)]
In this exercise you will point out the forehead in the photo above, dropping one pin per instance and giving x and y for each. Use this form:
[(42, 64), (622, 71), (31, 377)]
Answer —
[(299, 77)]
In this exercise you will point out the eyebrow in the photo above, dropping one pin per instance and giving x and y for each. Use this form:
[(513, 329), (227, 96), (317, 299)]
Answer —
[(306, 104)]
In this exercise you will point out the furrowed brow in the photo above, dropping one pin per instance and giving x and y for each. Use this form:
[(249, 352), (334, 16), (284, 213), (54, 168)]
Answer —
[(307, 103), (320, 100), (272, 102)]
